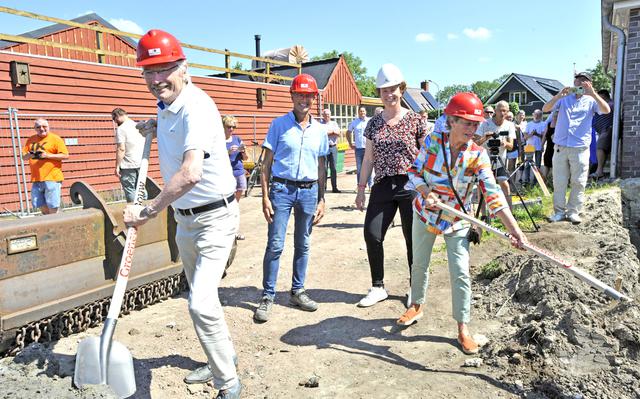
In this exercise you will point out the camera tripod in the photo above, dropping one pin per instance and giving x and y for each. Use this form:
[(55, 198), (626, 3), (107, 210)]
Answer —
[(528, 161), (496, 163)]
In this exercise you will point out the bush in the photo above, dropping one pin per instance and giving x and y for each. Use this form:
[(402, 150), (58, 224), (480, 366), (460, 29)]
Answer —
[(491, 270)]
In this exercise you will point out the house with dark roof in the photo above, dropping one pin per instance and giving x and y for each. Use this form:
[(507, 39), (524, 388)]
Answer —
[(65, 34), (530, 92), (419, 100), (338, 89)]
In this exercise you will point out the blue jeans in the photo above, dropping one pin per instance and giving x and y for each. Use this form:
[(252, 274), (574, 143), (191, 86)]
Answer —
[(284, 198), (46, 193), (359, 159)]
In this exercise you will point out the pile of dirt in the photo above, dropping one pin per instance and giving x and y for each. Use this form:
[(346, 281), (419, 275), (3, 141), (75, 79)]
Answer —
[(561, 338), (38, 372)]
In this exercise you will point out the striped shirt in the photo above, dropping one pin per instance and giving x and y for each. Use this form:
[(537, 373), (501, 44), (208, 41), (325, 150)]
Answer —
[(429, 169)]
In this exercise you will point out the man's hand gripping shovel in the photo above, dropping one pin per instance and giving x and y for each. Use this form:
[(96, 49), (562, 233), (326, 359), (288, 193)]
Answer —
[(100, 360)]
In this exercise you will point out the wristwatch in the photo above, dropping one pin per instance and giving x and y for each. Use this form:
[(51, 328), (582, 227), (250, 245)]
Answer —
[(147, 213)]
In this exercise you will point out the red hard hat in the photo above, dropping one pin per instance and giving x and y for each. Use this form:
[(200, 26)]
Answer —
[(304, 83), (466, 106), (158, 47)]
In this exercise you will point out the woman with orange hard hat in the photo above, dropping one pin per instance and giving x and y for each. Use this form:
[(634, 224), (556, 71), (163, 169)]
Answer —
[(445, 171)]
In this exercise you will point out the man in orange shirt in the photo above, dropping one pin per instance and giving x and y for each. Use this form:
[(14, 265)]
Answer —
[(45, 152)]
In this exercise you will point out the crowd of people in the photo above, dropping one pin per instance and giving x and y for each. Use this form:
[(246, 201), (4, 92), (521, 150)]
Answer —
[(417, 166)]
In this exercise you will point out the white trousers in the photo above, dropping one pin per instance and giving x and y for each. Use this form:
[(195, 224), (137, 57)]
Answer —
[(205, 241), (570, 167)]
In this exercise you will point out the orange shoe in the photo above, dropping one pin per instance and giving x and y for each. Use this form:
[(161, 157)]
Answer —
[(413, 314), (468, 344)]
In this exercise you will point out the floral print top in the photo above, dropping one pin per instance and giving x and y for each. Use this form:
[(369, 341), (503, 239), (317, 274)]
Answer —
[(394, 147)]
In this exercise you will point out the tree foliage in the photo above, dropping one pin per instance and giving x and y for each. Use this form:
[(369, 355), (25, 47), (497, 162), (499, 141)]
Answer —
[(514, 107), (366, 84), (447, 92), (484, 88), (600, 78)]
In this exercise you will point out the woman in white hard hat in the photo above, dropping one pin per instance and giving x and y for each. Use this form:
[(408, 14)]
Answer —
[(393, 142)]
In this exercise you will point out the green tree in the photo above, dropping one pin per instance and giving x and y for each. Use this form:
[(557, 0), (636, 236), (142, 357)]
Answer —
[(366, 84), (238, 65), (514, 107), (600, 79), (484, 88), (501, 79), (447, 92)]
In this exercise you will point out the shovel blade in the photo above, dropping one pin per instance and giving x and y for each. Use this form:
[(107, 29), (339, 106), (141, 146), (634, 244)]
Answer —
[(120, 375)]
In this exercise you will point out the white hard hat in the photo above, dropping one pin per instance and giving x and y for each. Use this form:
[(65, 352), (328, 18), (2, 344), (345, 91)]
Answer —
[(389, 75)]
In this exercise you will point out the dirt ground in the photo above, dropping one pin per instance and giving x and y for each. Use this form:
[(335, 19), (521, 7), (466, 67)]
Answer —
[(553, 337)]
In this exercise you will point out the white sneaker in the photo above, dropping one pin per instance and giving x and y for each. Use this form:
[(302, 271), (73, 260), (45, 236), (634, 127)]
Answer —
[(558, 217), (575, 219), (375, 295)]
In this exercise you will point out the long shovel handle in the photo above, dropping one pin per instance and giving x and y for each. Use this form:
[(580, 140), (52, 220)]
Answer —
[(132, 235), (581, 274)]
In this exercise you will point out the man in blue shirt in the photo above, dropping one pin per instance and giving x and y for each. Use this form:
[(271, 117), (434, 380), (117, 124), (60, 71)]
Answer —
[(293, 178), (357, 141), (576, 107)]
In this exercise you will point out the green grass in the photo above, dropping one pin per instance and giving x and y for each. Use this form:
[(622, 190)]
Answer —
[(491, 270)]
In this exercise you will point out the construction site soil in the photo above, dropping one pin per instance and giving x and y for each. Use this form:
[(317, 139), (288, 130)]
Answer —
[(549, 334)]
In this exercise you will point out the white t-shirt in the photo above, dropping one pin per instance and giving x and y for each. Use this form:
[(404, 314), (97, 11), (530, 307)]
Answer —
[(192, 122), (133, 141), (332, 127), (490, 126), (539, 127)]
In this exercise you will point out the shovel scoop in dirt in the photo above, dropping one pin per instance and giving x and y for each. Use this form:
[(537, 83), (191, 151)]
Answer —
[(102, 360)]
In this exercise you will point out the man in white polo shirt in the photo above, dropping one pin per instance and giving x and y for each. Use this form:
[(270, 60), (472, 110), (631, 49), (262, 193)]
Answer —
[(199, 184)]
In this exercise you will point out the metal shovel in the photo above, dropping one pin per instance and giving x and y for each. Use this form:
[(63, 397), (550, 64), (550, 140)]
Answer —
[(102, 360), (577, 272)]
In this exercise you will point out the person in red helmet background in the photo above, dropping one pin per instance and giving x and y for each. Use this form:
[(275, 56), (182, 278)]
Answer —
[(199, 184), (293, 179), (451, 161)]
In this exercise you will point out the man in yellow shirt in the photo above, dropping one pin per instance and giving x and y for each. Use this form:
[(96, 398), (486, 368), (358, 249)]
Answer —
[(45, 152)]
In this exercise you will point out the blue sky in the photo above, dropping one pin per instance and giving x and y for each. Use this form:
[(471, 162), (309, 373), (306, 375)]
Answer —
[(448, 42)]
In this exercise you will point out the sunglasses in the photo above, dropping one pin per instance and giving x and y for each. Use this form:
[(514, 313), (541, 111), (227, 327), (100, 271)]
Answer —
[(231, 127), (489, 112)]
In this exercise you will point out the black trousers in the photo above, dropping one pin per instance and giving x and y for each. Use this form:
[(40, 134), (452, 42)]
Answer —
[(332, 159), (387, 196)]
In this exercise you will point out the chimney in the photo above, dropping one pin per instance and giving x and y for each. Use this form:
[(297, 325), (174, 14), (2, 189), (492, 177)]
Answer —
[(257, 38), (424, 85)]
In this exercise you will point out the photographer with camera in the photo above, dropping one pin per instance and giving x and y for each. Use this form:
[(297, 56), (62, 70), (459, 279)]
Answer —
[(497, 135), (534, 133), (575, 106), (45, 152)]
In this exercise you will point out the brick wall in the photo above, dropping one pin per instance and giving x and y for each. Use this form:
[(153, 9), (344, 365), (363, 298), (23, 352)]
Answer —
[(630, 154)]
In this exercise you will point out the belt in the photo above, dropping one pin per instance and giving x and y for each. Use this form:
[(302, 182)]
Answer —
[(299, 184), (332, 145), (208, 207)]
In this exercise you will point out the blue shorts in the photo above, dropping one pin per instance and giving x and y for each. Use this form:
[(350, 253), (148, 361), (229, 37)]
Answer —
[(46, 193)]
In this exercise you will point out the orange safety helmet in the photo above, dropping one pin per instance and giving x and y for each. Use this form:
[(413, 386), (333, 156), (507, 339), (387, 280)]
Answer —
[(466, 106), (304, 83), (158, 47)]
